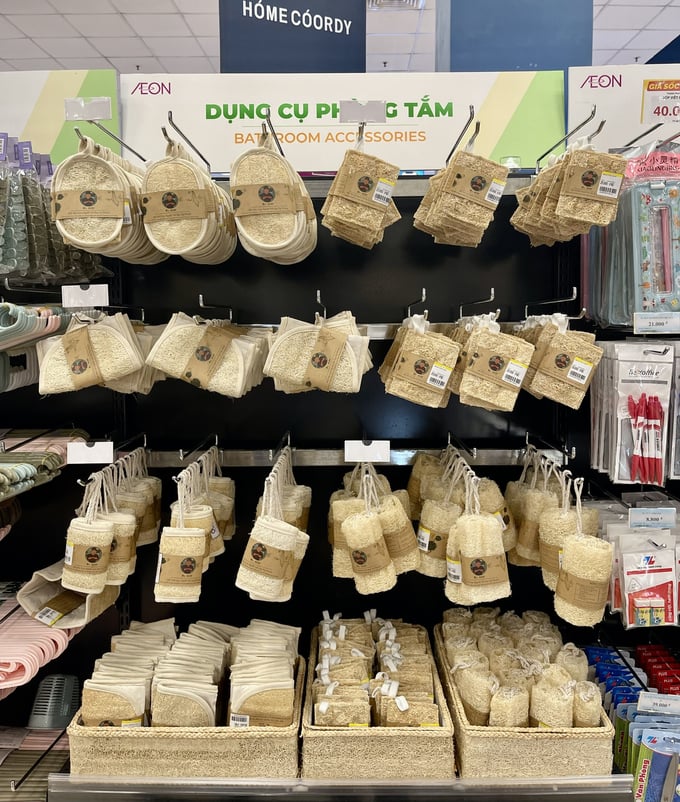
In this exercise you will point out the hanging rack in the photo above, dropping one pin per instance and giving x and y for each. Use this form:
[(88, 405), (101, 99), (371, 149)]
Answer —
[(200, 447), (173, 125), (141, 436), (421, 300), (462, 133), (35, 290), (268, 120), (490, 299), (461, 445), (563, 450), (114, 137), (284, 442), (573, 131), (552, 301)]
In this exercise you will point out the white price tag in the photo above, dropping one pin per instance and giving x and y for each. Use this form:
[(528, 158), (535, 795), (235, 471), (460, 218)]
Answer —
[(89, 453), (661, 322), (131, 723), (454, 571), (48, 616), (652, 517), (68, 554), (439, 375), (580, 370), (610, 184), (660, 100), (423, 538), (498, 515), (495, 191), (383, 191), (371, 451), (127, 213), (80, 296), (402, 703), (658, 703), (237, 720), (515, 372)]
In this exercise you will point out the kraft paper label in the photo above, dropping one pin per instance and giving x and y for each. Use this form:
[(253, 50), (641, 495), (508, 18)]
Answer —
[(149, 518), (494, 367), (489, 570), (584, 593), (595, 183), (567, 366), (325, 358), (80, 358), (87, 559), (551, 556), (125, 723), (483, 184), (121, 549), (208, 355), (371, 558), (401, 542), (293, 568), (432, 542), (178, 204), (173, 569), (70, 204), (528, 535), (263, 198), (266, 560), (423, 371), (60, 605), (370, 190)]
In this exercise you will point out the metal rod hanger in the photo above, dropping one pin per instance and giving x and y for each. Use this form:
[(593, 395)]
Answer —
[(597, 131), (563, 450), (462, 133), (461, 446), (321, 303), (173, 125), (552, 301), (200, 447), (141, 436), (28, 440), (471, 140), (204, 305), (14, 785), (565, 138), (421, 300), (115, 139), (35, 290), (270, 125), (642, 135), (667, 141), (490, 299), (284, 442)]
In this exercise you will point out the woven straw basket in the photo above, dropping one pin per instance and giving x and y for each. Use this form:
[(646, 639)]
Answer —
[(519, 751), (381, 753), (270, 752)]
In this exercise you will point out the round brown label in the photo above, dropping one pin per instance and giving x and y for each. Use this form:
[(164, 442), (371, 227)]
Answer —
[(266, 193), (88, 198), (188, 565), (478, 182), (258, 552), (562, 361), (478, 567), (79, 366), (496, 363), (169, 200), (589, 178), (93, 555), (365, 183), (319, 360), (203, 353), (421, 366), (359, 557)]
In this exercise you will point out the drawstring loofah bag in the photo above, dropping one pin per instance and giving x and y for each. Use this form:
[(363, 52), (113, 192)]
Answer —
[(535, 502), (554, 527)]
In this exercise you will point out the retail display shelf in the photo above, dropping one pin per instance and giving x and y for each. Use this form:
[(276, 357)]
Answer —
[(65, 788)]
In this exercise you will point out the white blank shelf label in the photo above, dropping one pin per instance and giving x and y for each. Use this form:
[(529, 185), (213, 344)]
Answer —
[(371, 451), (74, 296), (89, 453)]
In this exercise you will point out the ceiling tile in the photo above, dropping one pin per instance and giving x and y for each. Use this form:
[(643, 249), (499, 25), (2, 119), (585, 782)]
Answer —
[(100, 24), (203, 24), (26, 7), (421, 62), (427, 22), (669, 19), (35, 25), (37, 64), (150, 6), (603, 56), (174, 46), (210, 45), (396, 62), (78, 63), (183, 65), (67, 47), (611, 40), (628, 56), (5, 67), (392, 21), (121, 46), (390, 44), (158, 24), (651, 39), (83, 6), (8, 30), (424, 43), (215, 64), (20, 48), (626, 17), (198, 6), (129, 65)]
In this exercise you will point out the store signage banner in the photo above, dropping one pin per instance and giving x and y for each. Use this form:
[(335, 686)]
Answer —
[(630, 97), (292, 36), (35, 107), (521, 114)]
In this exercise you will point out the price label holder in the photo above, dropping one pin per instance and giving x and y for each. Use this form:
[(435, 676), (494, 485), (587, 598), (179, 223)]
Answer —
[(367, 451), (660, 100), (97, 453), (82, 296), (656, 322), (652, 517)]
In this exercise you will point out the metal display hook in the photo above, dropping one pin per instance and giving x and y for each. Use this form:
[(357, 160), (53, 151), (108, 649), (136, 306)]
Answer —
[(115, 139), (141, 436), (421, 300), (596, 131), (173, 125), (490, 299), (200, 447), (462, 133), (204, 305), (666, 141), (642, 136), (552, 301), (268, 120), (321, 303), (461, 445), (573, 131)]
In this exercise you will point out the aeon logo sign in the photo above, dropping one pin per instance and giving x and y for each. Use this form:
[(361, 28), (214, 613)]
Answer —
[(152, 88), (605, 81)]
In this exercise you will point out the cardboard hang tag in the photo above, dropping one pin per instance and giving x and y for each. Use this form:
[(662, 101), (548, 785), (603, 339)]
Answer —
[(493, 366), (249, 199), (484, 570), (567, 366), (70, 204), (482, 183), (174, 569), (80, 358), (325, 359), (87, 559), (369, 559), (584, 593), (267, 560), (423, 371), (402, 541), (179, 204), (208, 355)]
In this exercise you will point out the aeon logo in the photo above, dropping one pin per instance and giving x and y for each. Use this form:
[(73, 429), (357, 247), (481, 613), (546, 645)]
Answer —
[(152, 88), (603, 81)]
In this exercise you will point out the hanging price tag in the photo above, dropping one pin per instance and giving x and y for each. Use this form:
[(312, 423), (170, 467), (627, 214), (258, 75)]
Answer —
[(610, 185), (515, 373), (383, 191), (660, 100), (495, 191), (580, 370), (439, 375)]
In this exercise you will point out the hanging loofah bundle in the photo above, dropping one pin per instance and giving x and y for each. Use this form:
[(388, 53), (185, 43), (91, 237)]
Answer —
[(491, 501), (399, 535), (535, 501), (423, 466), (554, 527)]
